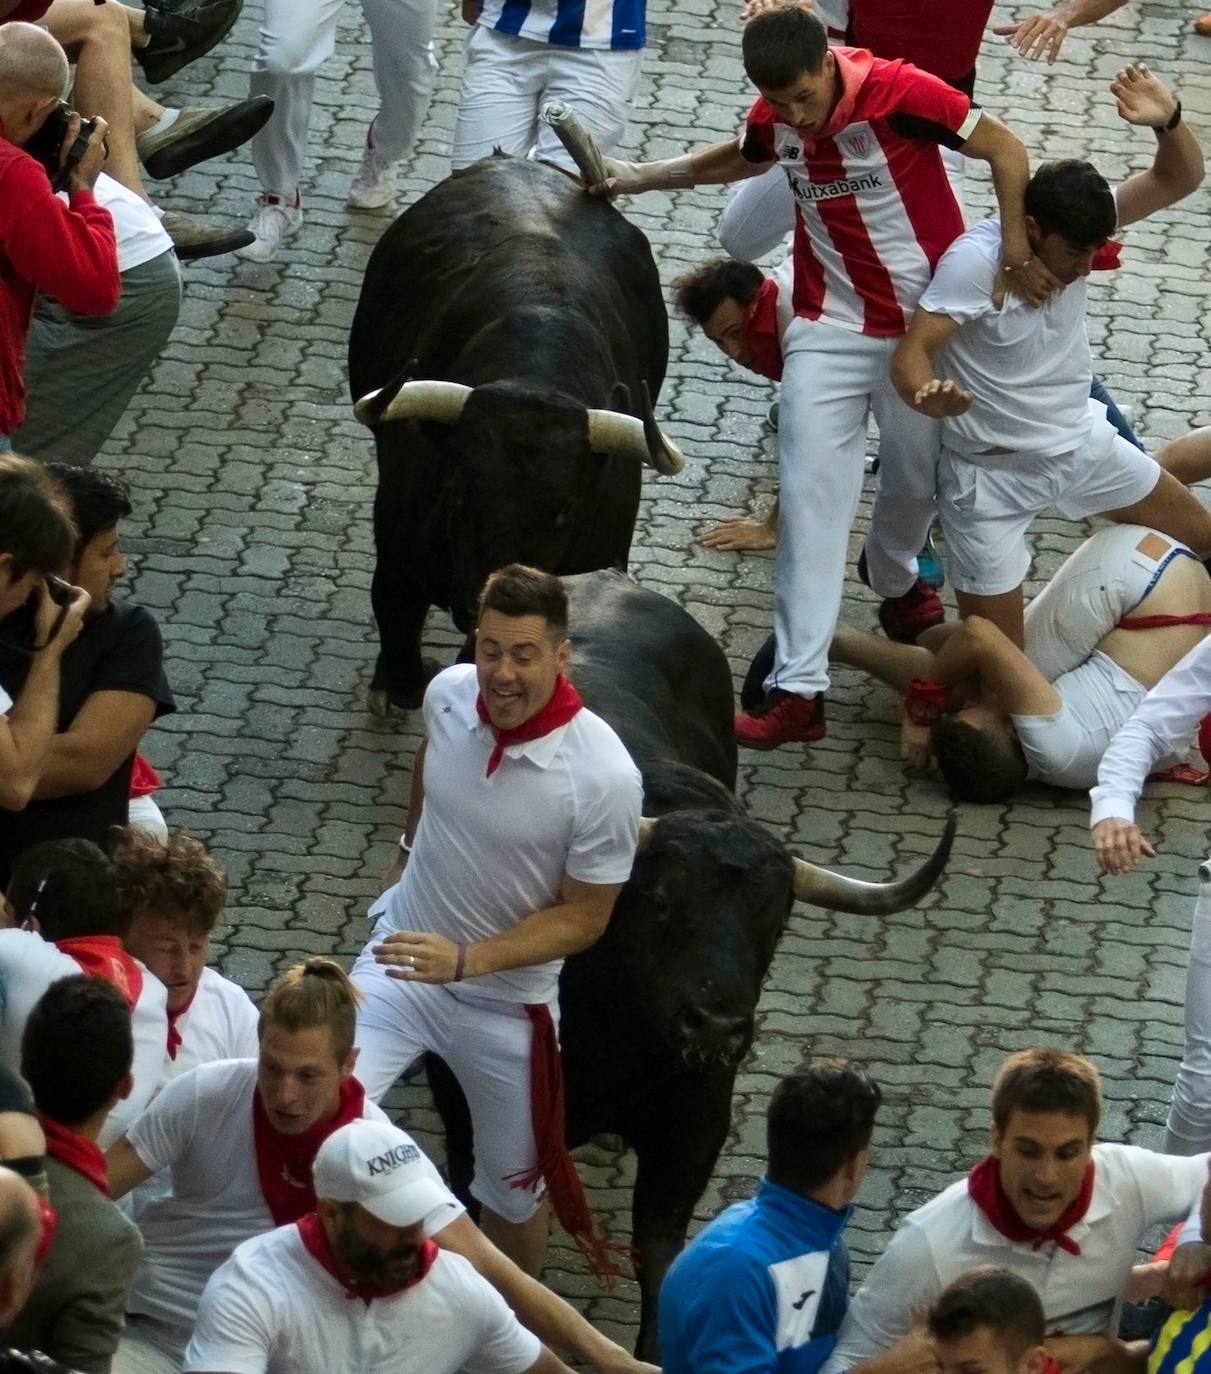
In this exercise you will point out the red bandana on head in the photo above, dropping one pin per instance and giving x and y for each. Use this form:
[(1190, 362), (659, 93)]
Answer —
[(565, 702), (315, 1241), (76, 1151), (103, 956), (283, 1162), (984, 1186)]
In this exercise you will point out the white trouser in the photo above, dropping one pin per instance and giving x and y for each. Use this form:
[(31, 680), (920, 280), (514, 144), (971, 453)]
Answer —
[(486, 1044), (507, 80), (760, 212), (298, 37), (832, 380), (1189, 1126)]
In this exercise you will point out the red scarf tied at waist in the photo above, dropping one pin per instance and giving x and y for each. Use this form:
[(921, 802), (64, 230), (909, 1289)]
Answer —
[(554, 1163), (984, 1186), (283, 1162), (76, 1152), (103, 956), (315, 1241), (565, 702)]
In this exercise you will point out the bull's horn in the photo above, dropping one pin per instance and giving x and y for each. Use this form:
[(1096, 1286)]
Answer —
[(821, 887), (663, 454), (611, 432), (646, 825), (440, 401)]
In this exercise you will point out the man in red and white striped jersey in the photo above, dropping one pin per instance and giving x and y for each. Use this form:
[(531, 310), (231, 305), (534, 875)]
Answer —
[(858, 138)]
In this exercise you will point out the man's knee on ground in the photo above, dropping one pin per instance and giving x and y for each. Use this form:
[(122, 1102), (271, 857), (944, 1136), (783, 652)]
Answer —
[(979, 762)]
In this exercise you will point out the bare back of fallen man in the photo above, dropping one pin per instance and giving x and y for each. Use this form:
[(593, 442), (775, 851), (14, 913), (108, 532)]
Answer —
[(994, 716)]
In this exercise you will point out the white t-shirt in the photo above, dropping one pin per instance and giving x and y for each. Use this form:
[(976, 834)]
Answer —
[(200, 1127), (221, 1023), (1133, 1190), (137, 229), (1029, 369), (28, 966), (6, 702), (489, 851), (273, 1309)]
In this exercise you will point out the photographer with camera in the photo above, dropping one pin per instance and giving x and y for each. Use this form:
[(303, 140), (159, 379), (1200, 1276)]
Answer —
[(37, 537), (67, 252), (112, 683)]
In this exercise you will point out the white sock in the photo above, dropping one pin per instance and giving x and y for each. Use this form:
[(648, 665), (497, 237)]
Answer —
[(165, 121)]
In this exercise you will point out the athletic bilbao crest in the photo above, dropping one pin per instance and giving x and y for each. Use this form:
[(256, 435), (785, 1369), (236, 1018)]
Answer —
[(857, 145)]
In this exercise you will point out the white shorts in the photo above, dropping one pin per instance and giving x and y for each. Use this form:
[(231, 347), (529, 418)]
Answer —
[(987, 504), (1065, 749), (1092, 590), (486, 1043)]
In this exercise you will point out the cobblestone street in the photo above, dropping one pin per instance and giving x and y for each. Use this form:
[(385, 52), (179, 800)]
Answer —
[(251, 541)]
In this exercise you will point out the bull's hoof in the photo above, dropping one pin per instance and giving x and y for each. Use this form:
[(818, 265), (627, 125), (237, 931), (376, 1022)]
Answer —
[(385, 696)]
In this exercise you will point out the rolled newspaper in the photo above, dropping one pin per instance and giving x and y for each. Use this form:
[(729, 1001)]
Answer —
[(581, 145)]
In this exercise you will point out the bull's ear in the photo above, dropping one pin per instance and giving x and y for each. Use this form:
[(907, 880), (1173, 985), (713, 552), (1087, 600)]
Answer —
[(620, 398)]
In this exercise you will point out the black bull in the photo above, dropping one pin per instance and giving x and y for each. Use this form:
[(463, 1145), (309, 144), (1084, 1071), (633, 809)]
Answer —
[(656, 1017), (508, 280)]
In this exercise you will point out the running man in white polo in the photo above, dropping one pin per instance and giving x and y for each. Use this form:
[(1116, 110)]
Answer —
[(521, 832), (1011, 387), (522, 53), (1049, 1204), (357, 1285)]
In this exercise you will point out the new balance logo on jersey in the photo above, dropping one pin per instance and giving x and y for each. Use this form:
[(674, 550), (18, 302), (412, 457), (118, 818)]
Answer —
[(385, 1163), (790, 150), (830, 190)]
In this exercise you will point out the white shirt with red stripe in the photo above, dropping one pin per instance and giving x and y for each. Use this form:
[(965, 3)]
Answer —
[(875, 208)]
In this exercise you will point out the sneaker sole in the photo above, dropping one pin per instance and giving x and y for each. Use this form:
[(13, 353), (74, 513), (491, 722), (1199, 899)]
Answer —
[(213, 248), (252, 253), (226, 132), (812, 736), (360, 203), (157, 69)]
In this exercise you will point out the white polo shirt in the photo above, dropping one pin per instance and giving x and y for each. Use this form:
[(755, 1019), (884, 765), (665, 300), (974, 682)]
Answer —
[(200, 1127), (1029, 369), (490, 851), (1133, 1190), (28, 966), (274, 1309)]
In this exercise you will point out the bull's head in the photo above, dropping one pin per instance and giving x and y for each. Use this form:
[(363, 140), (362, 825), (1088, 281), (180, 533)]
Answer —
[(609, 431), (701, 915)]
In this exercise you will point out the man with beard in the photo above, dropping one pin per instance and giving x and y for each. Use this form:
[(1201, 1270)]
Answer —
[(356, 1284)]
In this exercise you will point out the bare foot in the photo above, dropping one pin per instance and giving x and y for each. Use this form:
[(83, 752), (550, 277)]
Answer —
[(740, 534)]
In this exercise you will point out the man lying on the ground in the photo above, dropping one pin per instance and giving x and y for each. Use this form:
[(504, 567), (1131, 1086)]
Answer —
[(994, 716), (1050, 1204)]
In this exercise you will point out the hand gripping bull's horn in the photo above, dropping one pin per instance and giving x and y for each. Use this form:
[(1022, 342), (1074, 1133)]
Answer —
[(612, 432), (439, 401), (821, 887)]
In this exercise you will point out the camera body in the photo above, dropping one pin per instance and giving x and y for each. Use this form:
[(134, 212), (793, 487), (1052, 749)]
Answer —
[(61, 593), (46, 146)]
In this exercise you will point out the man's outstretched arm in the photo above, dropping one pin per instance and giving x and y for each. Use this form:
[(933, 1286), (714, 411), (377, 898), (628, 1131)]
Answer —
[(1042, 35)]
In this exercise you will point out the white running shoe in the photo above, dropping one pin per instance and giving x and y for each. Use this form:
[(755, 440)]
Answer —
[(376, 182), (275, 220)]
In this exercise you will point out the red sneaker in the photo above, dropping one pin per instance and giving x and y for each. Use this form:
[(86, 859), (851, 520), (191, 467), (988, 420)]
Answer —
[(781, 718), (905, 617)]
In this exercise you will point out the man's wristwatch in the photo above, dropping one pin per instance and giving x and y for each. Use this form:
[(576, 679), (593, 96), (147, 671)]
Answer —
[(1174, 120)]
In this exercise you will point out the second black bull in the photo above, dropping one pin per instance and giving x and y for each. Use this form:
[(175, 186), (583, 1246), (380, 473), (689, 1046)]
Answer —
[(656, 1017), (509, 341)]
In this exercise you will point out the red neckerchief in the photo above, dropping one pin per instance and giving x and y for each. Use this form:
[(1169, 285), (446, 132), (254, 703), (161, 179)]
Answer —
[(283, 1162), (102, 956), (565, 702), (76, 1151), (174, 1035), (1108, 257), (49, 1219), (554, 1163), (984, 1185), (761, 331), (1051, 1365), (144, 780), (853, 67), (315, 1242)]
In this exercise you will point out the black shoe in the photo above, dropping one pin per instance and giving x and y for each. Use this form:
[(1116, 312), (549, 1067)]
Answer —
[(197, 134), (180, 31), (194, 238), (752, 694)]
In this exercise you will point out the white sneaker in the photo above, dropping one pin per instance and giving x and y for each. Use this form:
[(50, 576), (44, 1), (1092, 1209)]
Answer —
[(376, 182), (274, 221)]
